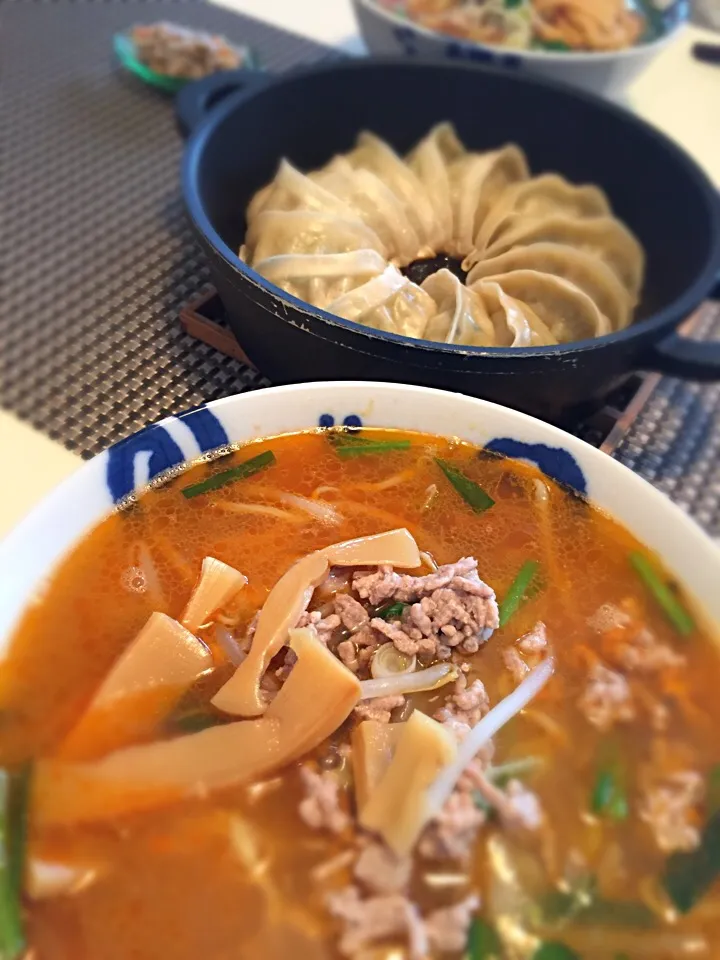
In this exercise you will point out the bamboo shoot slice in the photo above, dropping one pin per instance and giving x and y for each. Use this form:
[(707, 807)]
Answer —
[(397, 807), (217, 585), (162, 662), (290, 597), (316, 699), (373, 747)]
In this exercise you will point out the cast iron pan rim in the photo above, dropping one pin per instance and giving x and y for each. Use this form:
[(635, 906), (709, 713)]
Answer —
[(669, 316)]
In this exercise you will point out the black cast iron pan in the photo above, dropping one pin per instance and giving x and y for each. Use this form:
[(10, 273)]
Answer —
[(241, 124)]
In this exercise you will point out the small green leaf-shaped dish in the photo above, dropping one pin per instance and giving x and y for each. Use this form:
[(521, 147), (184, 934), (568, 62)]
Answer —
[(126, 53)]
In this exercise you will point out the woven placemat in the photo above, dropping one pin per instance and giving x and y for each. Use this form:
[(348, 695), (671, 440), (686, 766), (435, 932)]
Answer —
[(98, 258), (97, 255), (675, 441)]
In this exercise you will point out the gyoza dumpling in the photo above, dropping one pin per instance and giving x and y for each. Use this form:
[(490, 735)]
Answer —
[(387, 302), (515, 323), (376, 204), (430, 160), (274, 232), (603, 237), (293, 190), (585, 271), (477, 181), (566, 310), (468, 182), (547, 195), (321, 278), (460, 315), (373, 154)]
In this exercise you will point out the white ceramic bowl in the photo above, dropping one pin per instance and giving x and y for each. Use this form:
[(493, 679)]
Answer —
[(386, 32), (33, 549)]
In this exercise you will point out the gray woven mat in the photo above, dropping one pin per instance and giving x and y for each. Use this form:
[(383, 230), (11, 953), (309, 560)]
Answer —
[(97, 257), (675, 442)]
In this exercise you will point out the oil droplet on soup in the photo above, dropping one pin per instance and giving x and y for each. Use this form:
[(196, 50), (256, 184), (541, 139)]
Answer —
[(590, 817)]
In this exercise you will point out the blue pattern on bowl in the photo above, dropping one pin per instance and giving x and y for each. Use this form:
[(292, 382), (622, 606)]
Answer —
[(326, 420), (406, 37), (454, 50), (554, 462), (473, 54), (164, 451)]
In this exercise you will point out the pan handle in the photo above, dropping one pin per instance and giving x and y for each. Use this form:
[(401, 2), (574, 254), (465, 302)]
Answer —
[(679, 356), (195, 100)]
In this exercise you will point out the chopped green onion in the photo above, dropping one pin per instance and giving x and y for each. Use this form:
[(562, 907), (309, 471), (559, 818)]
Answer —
[(483, 942), (688, 876), (391, 611), (557, 907), (581, 905), (14, 798), (671, 606), (240, 472), (347, 445), (553, 45), (193, 721), (481, 803), (554, 951), (608, 797), (613, 913), (471, 492), (518, 590), (712, 793), (501, 774)]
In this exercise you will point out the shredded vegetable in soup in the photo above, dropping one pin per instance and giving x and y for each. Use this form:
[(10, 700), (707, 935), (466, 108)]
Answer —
[(553, 25), (360, 694)]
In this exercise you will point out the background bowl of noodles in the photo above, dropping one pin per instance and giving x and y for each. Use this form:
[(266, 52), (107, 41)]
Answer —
[(394, 27)]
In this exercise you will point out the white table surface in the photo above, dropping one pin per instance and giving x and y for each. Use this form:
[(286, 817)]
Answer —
[(676, 93)]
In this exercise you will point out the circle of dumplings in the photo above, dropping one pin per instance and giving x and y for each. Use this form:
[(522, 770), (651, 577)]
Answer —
[(546, 260)]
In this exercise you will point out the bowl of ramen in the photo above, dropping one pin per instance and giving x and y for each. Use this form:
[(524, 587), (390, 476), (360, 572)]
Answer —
[(358, 670), (450, 225), (599, 45)]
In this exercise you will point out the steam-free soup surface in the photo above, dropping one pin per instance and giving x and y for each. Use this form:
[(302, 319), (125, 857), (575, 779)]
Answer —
[(623, 778)]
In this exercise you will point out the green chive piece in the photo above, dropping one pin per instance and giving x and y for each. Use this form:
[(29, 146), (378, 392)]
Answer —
[(554, 45), (671, 606), (350, 445), (196, 720), (14, 796), (712, 792), (583, 907), (689, 876), (471, 492), (518, 590), (392, 611), (502, 773), (481, 803), (608, 797), (483, 942), (554, 951), (240, 472), (382, 446), (619, 913)]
